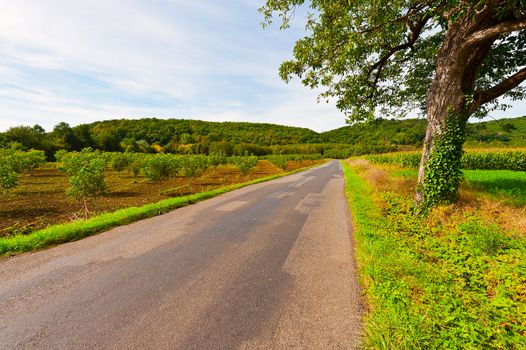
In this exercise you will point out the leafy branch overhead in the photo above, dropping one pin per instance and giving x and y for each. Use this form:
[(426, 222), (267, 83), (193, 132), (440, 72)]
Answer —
[(382, 55)]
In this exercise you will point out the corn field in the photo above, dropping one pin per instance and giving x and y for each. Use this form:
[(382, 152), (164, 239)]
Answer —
[(471, 159)]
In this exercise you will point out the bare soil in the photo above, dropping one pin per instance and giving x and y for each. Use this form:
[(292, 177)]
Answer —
[(40, 199)]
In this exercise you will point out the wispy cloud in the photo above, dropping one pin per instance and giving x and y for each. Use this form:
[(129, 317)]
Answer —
[(80, 61)]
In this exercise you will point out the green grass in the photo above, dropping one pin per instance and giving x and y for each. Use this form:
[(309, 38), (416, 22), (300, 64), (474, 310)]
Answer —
[(455, 283), (57, 234), (506, 185), (501, 183)]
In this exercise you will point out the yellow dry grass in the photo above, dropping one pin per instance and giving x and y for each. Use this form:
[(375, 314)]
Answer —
[(511, 219)]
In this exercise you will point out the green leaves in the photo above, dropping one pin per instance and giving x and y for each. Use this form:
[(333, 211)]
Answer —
[(351, 51), (246, 164), (161, 167), (280, 161), (471, 159), (13, 163), (8, 178), (380, 56), (88, 181)]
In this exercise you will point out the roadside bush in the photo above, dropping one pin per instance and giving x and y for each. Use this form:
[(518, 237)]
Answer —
[(193, 165), (88, 182), (217, 158), (280, 161), (246, 164), (73, 162), (8, 178), (161, 167), (119, 161)]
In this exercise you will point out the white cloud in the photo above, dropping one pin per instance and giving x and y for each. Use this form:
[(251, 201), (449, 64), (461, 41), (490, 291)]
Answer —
[(80, 61)]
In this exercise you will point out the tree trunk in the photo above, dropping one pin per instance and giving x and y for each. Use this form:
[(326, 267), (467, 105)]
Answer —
[(439, 171)]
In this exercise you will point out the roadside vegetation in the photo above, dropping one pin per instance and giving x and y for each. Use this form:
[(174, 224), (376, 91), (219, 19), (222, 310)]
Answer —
[(481, 159), (78, 229), (452, 280)]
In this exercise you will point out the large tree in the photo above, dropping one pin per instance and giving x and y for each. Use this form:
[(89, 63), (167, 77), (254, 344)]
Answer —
[(451, 59)]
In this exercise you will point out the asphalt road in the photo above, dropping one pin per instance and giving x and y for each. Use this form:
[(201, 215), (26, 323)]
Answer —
[(268, 266)]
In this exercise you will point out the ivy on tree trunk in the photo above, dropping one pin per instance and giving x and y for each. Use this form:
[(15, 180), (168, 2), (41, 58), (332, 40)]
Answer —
[(439, 175)]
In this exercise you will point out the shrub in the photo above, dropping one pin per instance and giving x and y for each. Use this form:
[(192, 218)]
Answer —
[(8, 178), (60, 154), (19, 161), (217, 158), (473, 160), (193, 165), (161, 167), (136, 164), (73, 162), (246, 164), (280, 161), (88, 182), (14, 162), (119, 161)]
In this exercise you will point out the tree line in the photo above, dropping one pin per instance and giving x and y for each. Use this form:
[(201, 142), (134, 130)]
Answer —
[(237, 138)]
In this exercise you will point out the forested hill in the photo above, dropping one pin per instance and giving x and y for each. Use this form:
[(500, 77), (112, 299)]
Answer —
[(183, 131), (194, 136), (392, 131), (153, 135), (411, 132)]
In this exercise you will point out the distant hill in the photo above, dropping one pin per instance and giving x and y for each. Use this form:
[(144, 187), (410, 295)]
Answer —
[(164, 131), (391, 131), (509, 131), (501, 132)]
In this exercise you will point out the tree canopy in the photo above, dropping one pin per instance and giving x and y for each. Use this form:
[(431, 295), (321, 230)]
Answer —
[(381, 56), (451, 58)]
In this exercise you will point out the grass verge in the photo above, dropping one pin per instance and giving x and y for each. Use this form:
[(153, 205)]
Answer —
[(57, 234), (503, 185), (452, 281)]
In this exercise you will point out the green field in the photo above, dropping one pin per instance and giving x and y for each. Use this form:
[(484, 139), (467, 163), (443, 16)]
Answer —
[(505, 185), (454, 280), (500, 183)]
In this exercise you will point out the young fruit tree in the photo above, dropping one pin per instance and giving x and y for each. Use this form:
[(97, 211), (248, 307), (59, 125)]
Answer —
[(87, 182), (246, 164), (451, 59), (8, 178)]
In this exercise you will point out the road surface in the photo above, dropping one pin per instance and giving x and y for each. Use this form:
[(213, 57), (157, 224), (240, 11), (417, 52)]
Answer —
[(269, 266)]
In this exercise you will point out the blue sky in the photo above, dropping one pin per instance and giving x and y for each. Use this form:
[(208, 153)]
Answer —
[(80, 61)]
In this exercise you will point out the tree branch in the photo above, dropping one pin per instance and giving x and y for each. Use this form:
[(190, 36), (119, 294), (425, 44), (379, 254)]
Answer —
[(415, 9), (501, 88), (416, 30), (496, 30)]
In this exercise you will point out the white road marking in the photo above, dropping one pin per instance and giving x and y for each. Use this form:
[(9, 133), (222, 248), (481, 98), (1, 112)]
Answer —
[(310, 201), (232, 206), (281, 195), (302, 182)]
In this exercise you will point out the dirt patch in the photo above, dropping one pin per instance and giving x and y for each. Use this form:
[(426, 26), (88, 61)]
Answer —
[(40, 200)]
